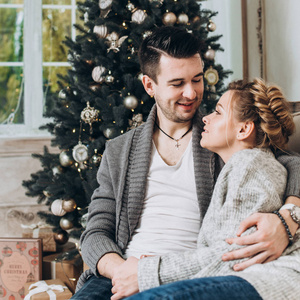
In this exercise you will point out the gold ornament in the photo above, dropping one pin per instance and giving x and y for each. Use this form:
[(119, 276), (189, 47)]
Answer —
[(169, 18), (211, 26), (89, 114), (69, 205), (212, 76), (210, 54), (64, 159), (65, 224), (80, 152), (61, 237)]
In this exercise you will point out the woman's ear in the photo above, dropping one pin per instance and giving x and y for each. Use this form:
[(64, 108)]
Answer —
[(148, 85), (246, 130)]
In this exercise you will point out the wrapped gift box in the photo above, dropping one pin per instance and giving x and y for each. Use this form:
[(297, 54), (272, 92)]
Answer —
[(64, 266), (44, 233), (55, 286)]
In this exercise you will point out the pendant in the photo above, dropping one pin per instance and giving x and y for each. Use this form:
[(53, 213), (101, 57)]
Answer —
[(177, 145)]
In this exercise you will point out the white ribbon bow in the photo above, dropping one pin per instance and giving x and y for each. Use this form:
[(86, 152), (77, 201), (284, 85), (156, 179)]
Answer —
[(42, 286), (35, 226)]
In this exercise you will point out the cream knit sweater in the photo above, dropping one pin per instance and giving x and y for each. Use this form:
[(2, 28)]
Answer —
[(251, 181)]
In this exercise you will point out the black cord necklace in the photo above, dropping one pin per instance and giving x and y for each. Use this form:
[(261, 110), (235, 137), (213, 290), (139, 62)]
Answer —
[(176, 140)]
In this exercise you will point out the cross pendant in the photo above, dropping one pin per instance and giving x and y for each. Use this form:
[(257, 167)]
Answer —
[(177, 145)]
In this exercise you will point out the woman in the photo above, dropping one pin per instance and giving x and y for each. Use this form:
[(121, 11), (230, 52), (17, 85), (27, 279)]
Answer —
[(250, 123)]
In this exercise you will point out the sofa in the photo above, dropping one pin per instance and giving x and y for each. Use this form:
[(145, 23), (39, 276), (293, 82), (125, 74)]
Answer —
[(294, 142)]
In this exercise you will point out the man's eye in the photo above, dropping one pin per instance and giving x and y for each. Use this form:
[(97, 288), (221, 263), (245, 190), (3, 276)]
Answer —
[(197, 80), (177, 84)]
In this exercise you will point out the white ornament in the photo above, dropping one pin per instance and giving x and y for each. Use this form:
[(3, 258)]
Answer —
[(104, 4), (138, 16), (130, 102), (56, 208), (211, 26), (115, 42), (100, 30), (183, 19), (97, 74), (65, 159), (130, 6), (210, 54), (80, 153)]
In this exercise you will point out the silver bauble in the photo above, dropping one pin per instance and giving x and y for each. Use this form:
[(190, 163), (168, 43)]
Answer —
[(100, 30), (61, 237), (130, 102), (56, 208), (169, 18), (183, 19), (83, 220), (130, 6), (97, 74), (210, 54), (62, 94), (211, 26), (64, 159), (109, 78), (65, 224), (138, 16), (109, 132)]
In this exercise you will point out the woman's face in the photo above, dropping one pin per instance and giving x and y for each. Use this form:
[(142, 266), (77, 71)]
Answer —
[(221, 129)]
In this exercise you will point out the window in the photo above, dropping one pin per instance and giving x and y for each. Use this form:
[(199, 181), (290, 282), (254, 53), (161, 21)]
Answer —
[(31, 56)]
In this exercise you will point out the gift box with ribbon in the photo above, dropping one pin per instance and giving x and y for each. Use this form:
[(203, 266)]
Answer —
[(48, 289), (42, 231), (65, 266)]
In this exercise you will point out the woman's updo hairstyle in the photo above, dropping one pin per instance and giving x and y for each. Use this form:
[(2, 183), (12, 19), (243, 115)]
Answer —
[(267, 108)]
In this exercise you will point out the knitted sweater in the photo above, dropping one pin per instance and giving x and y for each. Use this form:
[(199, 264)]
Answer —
[(117, 204), (251, 181)]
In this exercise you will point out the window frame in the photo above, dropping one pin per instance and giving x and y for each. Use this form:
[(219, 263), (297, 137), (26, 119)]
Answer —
[(33, 69)]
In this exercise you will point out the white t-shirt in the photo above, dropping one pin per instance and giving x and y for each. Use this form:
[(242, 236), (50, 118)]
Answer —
[(170, 219)]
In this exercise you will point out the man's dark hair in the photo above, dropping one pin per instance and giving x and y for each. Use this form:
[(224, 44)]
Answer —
[(167, 40)]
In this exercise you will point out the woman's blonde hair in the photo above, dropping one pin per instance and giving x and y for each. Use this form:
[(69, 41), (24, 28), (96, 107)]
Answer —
[(266, 106)]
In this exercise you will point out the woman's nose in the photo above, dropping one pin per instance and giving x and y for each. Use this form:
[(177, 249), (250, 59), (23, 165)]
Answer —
[(205, 120)]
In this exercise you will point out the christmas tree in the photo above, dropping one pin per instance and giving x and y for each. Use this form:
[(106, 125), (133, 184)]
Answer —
[(102, 96)]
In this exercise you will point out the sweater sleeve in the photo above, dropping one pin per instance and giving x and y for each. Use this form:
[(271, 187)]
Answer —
[(98, 238), (292, 163), (246, 185)]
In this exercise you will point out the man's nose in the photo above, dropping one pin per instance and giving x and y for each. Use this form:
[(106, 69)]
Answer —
[(189, 92)]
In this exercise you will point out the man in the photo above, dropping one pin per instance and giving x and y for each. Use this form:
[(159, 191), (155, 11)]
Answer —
[(156, 181)]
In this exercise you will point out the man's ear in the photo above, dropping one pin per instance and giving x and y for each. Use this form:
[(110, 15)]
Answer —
[(246, 130), (148, 85)]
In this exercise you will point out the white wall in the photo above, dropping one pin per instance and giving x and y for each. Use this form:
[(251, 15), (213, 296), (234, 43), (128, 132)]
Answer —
[(229, 24), (283, 45)]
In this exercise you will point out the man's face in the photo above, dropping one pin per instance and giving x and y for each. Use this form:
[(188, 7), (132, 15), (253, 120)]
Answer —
[(179, 88)]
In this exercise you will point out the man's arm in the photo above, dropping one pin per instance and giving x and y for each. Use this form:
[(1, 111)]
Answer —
[(271, 238)]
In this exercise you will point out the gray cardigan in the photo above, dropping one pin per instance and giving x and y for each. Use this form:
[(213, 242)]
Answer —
[(117, 203), (252, 181)]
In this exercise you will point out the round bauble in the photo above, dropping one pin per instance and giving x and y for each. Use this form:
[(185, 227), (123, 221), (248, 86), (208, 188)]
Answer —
[(100, 30), (61, 237), (62, 94), (83, 220), (138, 16), (210, 54), (211, 26), (69, 205), (130, 102), (97, 74), (169, 18), (65, 224), (56, 170), (109, 78), (57, 209), (130, 6), (110, 132), (64, 159), (96, 159), (183, 19)]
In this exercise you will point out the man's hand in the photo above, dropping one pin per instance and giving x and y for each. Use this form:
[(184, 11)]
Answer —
[(125, 279), (264, 245)]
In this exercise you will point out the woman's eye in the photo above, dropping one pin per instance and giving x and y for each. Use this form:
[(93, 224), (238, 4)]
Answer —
[(217, 112)]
